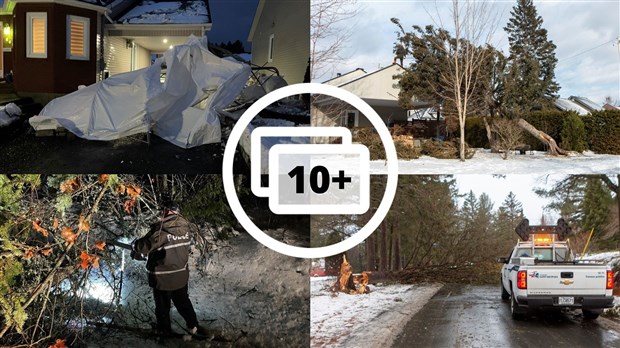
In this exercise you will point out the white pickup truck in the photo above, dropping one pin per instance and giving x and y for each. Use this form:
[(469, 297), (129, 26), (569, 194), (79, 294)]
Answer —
[(541, 273)]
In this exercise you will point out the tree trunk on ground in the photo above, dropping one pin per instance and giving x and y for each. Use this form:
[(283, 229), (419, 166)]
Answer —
[(492, 143), (370, 253), (383, 246), (554, 149)]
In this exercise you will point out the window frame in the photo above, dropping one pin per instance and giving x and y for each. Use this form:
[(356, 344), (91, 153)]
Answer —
[(86, 33), (356, 119), (30, 16), (271, 46)]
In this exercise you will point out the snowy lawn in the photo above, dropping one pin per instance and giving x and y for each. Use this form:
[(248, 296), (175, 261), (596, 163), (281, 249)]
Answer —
[(485, 162), (368, 320)]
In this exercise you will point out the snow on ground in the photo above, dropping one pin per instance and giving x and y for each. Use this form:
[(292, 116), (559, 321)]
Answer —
[(368, 320), (160, 12), (249, 295), (485, 162)]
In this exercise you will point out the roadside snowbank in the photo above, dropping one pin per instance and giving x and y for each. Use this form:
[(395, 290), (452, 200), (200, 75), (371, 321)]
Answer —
[(369, 320), (485, 162)]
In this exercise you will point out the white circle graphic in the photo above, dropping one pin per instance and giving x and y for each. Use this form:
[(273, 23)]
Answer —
[(233, 199)]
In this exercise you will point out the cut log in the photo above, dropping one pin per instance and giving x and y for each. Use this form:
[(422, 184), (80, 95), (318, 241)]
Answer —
[(344, 282), (554, 149), (361, 283), (350, 283)]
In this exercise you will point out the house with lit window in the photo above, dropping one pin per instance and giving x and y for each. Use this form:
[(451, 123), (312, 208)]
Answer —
[(53, 46), (279, 37)]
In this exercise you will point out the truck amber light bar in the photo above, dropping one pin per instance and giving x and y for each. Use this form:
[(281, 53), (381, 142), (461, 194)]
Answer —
[(610, 280), (522, 280), (543, 238)]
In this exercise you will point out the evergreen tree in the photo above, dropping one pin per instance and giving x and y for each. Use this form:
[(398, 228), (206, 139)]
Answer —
[(573, 133), (422, 79), (237, 47), (596, 203), (530, 83), (512, 209), (566, 197), (508, 216), (469, 209)]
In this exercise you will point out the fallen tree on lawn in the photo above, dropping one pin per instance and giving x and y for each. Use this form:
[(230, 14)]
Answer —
[(554, 149)]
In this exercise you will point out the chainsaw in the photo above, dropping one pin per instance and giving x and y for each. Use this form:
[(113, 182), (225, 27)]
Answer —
[(112, 244)]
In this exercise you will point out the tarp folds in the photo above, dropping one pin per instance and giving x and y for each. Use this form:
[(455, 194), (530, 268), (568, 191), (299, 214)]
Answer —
[(182, 110)]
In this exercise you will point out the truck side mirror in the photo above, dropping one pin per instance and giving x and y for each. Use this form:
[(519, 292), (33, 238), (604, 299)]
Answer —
[(502, 260)]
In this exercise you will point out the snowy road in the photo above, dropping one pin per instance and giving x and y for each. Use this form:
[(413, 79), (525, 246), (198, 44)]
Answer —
[(368, 320), (475, 316)]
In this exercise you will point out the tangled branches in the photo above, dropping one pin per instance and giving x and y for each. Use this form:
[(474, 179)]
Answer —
[(57, 271)]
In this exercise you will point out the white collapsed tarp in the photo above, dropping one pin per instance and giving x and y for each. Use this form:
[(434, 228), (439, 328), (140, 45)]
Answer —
[(182, 110)]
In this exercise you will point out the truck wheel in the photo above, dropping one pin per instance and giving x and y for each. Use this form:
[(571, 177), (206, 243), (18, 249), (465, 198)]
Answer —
[(590, 314), (505, 294), (515, 311)]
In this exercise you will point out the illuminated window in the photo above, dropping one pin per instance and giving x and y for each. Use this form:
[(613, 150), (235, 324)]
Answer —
[(36, 35), (270, 56), (77, 37)]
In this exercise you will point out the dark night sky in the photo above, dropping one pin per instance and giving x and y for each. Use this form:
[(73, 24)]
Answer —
[(232, 20)]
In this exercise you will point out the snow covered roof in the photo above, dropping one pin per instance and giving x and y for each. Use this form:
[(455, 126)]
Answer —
[(167, 12), (568, 105), (586, 103)]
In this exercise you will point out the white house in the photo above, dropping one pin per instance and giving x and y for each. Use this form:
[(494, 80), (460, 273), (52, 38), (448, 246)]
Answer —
[(280, 36)]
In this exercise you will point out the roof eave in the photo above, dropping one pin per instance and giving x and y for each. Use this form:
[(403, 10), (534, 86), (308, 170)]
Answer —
[(72, 3), (259, 11), (129, 27)]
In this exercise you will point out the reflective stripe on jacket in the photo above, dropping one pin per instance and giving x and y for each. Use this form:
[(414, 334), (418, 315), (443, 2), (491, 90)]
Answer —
[(167, 245)]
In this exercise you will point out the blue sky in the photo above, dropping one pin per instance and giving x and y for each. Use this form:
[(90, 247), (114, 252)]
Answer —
[(585, 33)]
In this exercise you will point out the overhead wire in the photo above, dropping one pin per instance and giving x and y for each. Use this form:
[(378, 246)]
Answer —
[(588, 50)]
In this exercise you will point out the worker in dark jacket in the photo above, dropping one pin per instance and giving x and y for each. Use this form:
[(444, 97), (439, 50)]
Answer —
[(167, 245)]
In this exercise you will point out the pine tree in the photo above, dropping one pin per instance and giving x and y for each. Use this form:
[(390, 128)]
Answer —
[(508, 216), (531, 78), (422, 79), (596, 203)]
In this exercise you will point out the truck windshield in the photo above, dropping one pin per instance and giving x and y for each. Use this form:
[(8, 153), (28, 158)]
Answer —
[(543, 254)]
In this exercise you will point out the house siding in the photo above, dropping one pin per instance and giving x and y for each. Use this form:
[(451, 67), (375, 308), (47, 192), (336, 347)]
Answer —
[(56, 73), (143, 57), (117, 55), (289, 22)]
